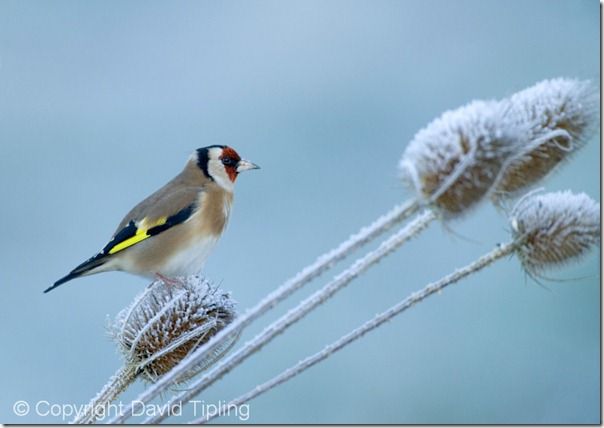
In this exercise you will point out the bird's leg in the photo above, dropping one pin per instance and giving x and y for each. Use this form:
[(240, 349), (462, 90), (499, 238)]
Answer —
[(170, 282)]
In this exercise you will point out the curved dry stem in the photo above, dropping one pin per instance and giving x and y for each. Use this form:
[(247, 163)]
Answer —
[(98, 405), (365, 328)]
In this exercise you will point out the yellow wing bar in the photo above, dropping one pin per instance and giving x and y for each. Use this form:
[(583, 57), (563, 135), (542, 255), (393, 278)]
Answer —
[(141, 234), (135, 232)]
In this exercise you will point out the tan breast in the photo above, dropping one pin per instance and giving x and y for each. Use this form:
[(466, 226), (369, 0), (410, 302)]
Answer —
[(213, 216)]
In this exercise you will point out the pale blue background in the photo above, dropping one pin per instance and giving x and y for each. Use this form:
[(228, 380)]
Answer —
[(101, 102)]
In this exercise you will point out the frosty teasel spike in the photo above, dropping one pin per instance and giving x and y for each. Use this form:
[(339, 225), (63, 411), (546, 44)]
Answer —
[(165, 323), (454, 161), (547, 230), (558, 116), (554, 228), (161, 327)]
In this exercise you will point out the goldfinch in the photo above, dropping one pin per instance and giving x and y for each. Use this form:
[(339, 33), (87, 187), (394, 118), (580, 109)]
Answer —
[(172, 232)]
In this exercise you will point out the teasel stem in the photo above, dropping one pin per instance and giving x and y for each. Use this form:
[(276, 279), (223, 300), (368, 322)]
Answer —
[(324, 262), (548, 230), (387, 247), (416, 297), (117, 384)]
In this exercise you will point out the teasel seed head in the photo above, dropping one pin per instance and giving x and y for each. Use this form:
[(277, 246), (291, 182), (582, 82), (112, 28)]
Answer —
[(554, 228), (559, 116), (165, 323), (454, 161)]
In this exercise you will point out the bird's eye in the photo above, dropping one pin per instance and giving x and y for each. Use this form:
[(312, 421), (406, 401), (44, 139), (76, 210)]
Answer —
[(228, 161)]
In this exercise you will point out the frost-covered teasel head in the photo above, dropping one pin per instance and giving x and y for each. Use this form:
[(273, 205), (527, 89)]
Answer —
[(165, 323), (559, 116), (554, 228), (454, 161)]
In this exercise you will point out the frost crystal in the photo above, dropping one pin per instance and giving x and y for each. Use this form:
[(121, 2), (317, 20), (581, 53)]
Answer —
[(455, 160), (554, 228), (558, 115), (165, 323)]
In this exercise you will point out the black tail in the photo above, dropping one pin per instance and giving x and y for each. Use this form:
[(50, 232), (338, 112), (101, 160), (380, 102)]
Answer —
[(82, 269)]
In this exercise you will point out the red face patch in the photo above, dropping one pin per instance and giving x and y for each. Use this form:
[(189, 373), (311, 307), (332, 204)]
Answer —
[(229, 159)]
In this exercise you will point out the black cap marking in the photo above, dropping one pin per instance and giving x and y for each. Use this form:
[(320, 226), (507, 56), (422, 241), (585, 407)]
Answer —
[(203, 159)]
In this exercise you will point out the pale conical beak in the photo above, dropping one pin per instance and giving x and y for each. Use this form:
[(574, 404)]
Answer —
[(244, 165)]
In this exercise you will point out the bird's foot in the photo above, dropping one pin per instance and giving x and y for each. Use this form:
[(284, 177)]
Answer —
[(170, 282)]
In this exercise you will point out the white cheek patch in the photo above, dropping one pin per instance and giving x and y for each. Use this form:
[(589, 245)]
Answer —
[(218, 173)]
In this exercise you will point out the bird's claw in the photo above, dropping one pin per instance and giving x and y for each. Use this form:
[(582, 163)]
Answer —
[(170, 282)]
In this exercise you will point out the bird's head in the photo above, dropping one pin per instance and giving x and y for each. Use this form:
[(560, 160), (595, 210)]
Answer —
[(222, 165)]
